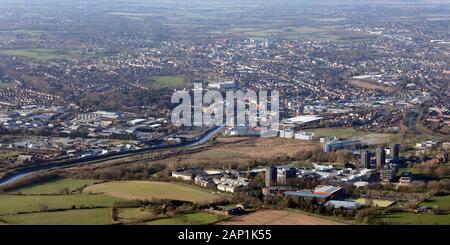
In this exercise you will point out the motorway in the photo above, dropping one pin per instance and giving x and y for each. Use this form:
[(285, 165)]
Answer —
[(202, 139)]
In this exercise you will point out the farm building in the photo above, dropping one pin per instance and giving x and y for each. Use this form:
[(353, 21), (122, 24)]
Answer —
[(343, 204)]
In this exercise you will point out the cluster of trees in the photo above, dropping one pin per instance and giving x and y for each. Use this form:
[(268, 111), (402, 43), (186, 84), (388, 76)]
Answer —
[(367, 215), (253, 198), (320, 156), (39, 131), (312, 206), (442, 185), (161, 208), (139, 171), (416, 186), (433, 168), (118, 99), (422, 186), (303, 156)]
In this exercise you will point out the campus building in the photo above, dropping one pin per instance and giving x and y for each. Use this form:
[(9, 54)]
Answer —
[(365, 159), (271, 176), (321, 193), (395, 151)]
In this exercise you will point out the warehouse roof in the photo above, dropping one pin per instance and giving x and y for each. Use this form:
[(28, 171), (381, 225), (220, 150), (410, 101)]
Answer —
[(343, 204), (327, 189), (306, 194), (303, 119)]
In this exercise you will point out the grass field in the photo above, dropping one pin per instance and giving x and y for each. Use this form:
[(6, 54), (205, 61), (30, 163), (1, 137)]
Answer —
[(98, 216), (42, 54), (130, 214), (11, 204), (415, 219), (199, 218), (338, 132), (4, 85), (369, 138), (54, 187), (166, 221), (168, 81), (370, 85), (439, 201), (150, 190)]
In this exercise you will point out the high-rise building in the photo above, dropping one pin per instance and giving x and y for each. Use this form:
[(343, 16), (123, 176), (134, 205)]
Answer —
[(291, 173), (271, 176), (387, 174), (285, 175), (365, 159), (395, 151), (381, 157)]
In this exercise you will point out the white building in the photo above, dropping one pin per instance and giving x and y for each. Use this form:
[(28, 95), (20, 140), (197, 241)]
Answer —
[(304, 136), (223, 85)]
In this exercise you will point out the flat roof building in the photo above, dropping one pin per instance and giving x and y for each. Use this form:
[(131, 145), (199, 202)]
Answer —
[(321, 193), (365, 159)]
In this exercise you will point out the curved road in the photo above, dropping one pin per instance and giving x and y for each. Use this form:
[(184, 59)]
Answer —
[(202, 139)]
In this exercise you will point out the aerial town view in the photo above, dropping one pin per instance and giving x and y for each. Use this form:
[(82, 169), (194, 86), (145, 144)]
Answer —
[(97, 100)]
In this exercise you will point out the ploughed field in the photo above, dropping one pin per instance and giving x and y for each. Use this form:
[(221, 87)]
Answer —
[(278, 217)]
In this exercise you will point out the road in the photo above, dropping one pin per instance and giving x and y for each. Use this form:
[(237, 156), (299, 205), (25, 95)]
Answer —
[(202, 139)]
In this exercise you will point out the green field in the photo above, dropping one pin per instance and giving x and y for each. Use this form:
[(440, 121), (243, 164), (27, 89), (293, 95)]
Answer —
[(152, 190), (439, 201), (199, 218), (98, 216), (338, 132), (414, 219), (54, 187), (370, 138), (130, 214), (168, 81), (166, 221), (11, 204), (42, 54)]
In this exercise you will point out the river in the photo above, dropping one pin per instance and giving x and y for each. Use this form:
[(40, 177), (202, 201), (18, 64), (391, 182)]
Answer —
[(198, 141)]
